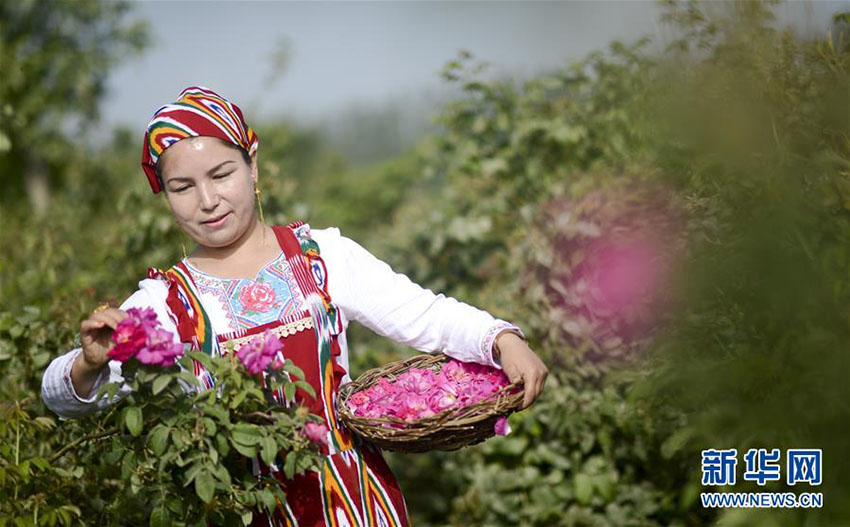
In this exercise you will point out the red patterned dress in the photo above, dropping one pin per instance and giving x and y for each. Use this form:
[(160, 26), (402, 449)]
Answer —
[(289, 296), (354, 486)]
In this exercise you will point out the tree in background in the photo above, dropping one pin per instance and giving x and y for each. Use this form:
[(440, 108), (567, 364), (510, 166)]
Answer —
[(55, 57)]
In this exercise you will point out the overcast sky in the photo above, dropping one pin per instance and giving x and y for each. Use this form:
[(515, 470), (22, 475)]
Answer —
[(342, 53)]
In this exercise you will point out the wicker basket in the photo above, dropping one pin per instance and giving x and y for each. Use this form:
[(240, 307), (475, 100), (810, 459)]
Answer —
[(451, 429)]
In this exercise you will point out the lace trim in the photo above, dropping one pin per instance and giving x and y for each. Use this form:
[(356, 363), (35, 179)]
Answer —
[(282, 331), (490, 337)]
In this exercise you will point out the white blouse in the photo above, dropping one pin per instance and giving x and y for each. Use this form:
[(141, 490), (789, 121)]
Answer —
[(364, 288)]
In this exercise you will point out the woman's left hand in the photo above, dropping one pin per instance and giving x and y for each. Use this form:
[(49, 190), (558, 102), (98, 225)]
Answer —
[(519, 362)]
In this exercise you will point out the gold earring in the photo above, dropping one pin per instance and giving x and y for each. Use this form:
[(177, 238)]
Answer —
[(182, 245), (259, 203)]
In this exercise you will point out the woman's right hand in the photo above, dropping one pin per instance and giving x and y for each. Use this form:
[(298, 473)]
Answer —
[(95, 336)]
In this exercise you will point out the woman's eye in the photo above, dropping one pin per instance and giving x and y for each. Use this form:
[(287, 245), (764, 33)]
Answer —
[(181, 189), (219, 176)]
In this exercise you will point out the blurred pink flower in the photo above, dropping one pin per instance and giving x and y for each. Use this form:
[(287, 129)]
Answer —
[(317, 432), (502, 427), (260, 352), (623, 274)]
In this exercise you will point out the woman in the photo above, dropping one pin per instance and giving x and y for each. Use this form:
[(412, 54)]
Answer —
[(245, 277)]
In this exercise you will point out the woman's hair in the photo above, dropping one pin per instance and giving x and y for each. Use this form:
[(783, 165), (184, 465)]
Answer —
[(245, 157)]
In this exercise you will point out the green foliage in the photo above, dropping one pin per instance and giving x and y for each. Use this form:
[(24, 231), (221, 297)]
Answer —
[(738, 125), (55, 58), (205, 440), (181, 459), (738, 120), (763, 295), (581, 455)]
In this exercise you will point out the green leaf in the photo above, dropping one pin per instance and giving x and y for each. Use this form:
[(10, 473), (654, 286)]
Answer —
[(45, 423), (133, 420), (221, 445), (268, 450), (675, 442), (246, 434), (221, 473), (237, 400), (192, 473), (290, 367), (204, 486), (583, 488), (203, 358), (188, 378), (247, 516), (209, 426), (160, 517), (218, 413), (40, 359), (247, 451), (304, 385), (160, 383), (41, 463), (289, 464), (159, 439), (289, 392), (268, 500)]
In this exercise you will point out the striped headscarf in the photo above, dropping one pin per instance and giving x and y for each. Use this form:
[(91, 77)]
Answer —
[(198, 111)]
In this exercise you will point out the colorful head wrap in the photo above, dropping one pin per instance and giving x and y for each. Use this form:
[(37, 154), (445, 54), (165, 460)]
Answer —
[(198, 111)]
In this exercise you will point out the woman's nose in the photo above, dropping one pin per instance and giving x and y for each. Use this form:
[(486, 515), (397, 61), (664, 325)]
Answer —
[(209, 196)]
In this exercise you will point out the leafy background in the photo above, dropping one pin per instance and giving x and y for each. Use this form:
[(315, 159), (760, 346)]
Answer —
[(731, 145)]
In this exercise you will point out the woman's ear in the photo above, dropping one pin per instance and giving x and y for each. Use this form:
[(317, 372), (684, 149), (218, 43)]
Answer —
[(254, 170)]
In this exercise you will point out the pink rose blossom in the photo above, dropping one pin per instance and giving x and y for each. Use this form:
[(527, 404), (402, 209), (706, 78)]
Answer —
[(258, 297), (416, 380), (129, 337), (317, 432), (502, 427), (140, 336), (161, 350), (260, 352)]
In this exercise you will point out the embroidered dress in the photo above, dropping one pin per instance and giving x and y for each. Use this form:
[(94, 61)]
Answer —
[(354, 486), (291, 296)]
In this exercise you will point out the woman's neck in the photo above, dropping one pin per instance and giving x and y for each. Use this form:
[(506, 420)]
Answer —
[(256, 239)]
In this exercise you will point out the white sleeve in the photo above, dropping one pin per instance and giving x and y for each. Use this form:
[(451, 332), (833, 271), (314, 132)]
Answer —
[(367, 290), (57, 390)]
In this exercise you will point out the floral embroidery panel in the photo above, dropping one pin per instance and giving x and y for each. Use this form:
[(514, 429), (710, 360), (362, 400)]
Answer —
[(271, 296)]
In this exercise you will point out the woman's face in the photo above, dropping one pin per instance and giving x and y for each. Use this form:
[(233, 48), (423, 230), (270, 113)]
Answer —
[(210, 189)]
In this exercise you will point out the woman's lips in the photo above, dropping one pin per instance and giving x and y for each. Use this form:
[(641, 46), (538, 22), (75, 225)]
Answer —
[(217, 222)]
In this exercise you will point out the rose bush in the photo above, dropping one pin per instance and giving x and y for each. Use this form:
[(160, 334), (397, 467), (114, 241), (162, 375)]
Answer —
[(180, 435)]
